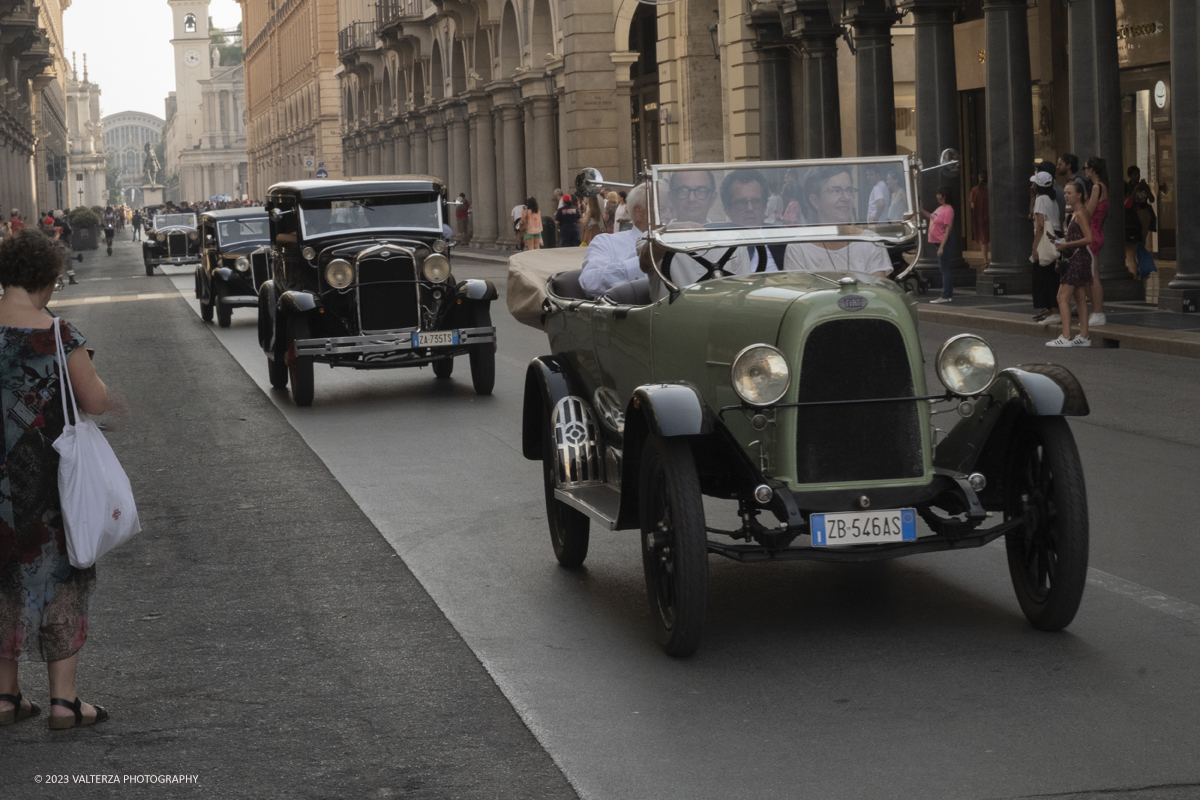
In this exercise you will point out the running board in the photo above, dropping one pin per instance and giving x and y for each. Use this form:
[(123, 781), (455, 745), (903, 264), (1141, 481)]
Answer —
[(602, 503)]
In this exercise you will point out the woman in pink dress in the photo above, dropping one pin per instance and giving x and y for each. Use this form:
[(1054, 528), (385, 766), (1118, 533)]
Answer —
[(1096, 171)]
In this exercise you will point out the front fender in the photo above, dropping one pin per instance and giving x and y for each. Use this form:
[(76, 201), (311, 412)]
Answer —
[(671, 409), (224, 273), (266, 315), (1038, 390), (548, 379), (477, 290), (297, 302)]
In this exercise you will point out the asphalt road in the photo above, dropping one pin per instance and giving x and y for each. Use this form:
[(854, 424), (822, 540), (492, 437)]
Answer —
[(911, 679)]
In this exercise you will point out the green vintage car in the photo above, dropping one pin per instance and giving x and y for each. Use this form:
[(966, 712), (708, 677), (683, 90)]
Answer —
[(799, 393)]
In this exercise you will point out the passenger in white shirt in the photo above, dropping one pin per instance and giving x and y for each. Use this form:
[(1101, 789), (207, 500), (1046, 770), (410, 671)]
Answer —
[(612, 258), (878, 203), (833, 197)]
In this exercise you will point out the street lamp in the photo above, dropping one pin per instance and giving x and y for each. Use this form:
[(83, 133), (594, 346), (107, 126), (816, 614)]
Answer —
[(712, 31)]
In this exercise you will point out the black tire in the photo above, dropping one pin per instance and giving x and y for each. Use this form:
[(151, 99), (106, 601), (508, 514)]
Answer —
[(149, 269), (300, 368), (674, 544), (483, 357), (277, 371), (1048, 556), (569, 534), (224, 312), (443, 369), (206, 306)]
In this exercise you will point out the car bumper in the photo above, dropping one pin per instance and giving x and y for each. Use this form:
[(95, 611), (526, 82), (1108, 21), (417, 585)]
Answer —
[(157, 260), (389, 343)]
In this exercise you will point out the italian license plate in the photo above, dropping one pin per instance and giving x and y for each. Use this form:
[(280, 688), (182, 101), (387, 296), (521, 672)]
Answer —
[(863, 527), (435, 339)]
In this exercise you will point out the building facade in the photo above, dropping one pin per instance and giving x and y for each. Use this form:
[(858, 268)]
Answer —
[(33, 120), (87, 174), (291, 90), (126, 135)]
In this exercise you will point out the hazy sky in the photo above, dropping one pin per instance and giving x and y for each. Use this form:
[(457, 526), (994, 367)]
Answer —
[(128, 45)]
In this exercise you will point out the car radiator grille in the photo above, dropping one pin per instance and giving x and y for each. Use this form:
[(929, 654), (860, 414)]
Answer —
[(177, 244), (387, 293), (848, 360)]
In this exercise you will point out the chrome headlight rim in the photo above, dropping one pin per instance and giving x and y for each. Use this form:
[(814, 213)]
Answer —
[(193, 235), (440, 246), (942, 351), (242, 264), (160, 237), (760, 402), (339, 273), (308, 253), (433, 266)]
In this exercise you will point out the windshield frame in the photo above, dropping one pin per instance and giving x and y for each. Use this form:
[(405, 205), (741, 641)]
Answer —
[(192, 216), (905, 231), (435, 198)]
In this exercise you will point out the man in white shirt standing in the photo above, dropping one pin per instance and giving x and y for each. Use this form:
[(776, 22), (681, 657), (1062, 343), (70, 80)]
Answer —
[(612, 258), (517, 211), (878, 203)]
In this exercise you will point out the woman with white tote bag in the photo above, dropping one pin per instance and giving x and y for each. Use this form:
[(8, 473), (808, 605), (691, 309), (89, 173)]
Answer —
[(44, 599)]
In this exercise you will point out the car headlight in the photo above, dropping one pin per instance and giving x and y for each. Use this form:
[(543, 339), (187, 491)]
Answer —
[(966, 364), (760, 375), (436, 268), (193, 235), (242, 263), (162, 237), (339, 273), (308, 253), (439, 246)]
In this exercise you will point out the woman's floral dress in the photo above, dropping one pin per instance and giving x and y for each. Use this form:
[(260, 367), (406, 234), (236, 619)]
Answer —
[(43, 599)]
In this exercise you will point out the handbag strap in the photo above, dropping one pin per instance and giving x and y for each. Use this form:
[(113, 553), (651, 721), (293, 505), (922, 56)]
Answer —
[(65, 388)]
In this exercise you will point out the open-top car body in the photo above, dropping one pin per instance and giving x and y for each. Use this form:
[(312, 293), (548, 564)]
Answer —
[(360, 277), (799, 394), (172, 238), (227, 276)]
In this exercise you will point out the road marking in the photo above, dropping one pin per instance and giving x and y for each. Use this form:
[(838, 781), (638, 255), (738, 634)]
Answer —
[(113, 298), (1180, 609)]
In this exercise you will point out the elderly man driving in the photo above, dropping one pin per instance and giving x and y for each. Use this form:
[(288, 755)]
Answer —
[(833, 200), (612, 258)]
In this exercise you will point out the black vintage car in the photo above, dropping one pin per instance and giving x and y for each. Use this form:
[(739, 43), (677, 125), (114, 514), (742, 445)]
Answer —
[(172, 238), (360, 277), (225, 277)]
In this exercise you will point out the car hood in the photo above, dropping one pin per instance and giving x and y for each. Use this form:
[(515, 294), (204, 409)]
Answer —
[(349, 247)]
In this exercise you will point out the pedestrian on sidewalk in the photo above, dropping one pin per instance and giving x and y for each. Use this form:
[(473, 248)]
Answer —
[(940, 231), (137, 226), (1095, 169), (593, 220), (981, 223), (518, 211), (567, 218), (15, 225), (462, 215), (612, 200), (1045, 222), (1067, 168), (43, 599), (531, 225), (1076, 277)]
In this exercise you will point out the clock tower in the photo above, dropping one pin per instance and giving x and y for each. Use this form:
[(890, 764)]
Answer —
[(193, 63)]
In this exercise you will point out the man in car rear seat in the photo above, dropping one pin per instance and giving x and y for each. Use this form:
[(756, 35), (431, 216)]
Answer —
[(612, 258)]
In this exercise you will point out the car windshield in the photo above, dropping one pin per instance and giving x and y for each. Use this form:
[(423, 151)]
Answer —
[(869, 199), (174, 221), (232, 231), (417, 210)]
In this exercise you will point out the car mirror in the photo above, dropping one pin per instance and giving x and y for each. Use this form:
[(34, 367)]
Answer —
[(949, 162), (589, 182), (279, 213)]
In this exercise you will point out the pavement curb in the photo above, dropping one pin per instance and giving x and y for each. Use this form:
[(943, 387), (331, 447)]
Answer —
[(1172, 343)]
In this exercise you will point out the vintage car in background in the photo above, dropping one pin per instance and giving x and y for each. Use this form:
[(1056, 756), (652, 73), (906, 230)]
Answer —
[(800, 396), (227, 276), (172, 238), (360, 277)]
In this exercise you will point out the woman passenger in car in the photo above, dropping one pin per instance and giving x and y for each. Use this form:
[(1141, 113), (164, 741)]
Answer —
[(833, 200)]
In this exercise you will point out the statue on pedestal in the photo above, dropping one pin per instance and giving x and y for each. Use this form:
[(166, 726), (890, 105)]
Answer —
[(150, 165)]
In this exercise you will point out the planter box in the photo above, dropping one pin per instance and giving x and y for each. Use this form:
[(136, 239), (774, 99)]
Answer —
[(85, 238)]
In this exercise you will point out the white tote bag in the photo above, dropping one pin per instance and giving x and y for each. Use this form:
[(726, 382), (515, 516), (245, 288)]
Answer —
[(97, 501)]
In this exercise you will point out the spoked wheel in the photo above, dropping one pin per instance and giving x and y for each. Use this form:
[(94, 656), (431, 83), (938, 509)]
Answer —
[(483, 357), (300, 368), (569, 532), (443, 369), (1048, 555), (674, 544)]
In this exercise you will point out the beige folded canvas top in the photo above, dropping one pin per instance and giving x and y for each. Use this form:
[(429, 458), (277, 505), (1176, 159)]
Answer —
[(527, 275)]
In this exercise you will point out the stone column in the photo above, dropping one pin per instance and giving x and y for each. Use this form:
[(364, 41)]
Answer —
[(374, 160), (503, 220), (1185, 130), (875, 88), (1095, 97), (459, 157), (937, 122), (774, 88), (438, 158), (1009, 101), (543, 171), (818, 120), (483, 205), (419, 146), (403, 157), (387, 152), (513, 120)]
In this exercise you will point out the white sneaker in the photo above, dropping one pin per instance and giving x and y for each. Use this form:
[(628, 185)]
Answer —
[(941, 300), (1053, 319), (1079, 341), (1096, 319), (1061, 342)]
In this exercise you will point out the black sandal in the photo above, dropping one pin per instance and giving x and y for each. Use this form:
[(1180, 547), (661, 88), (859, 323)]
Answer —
[(61, 723), (17, 714)]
